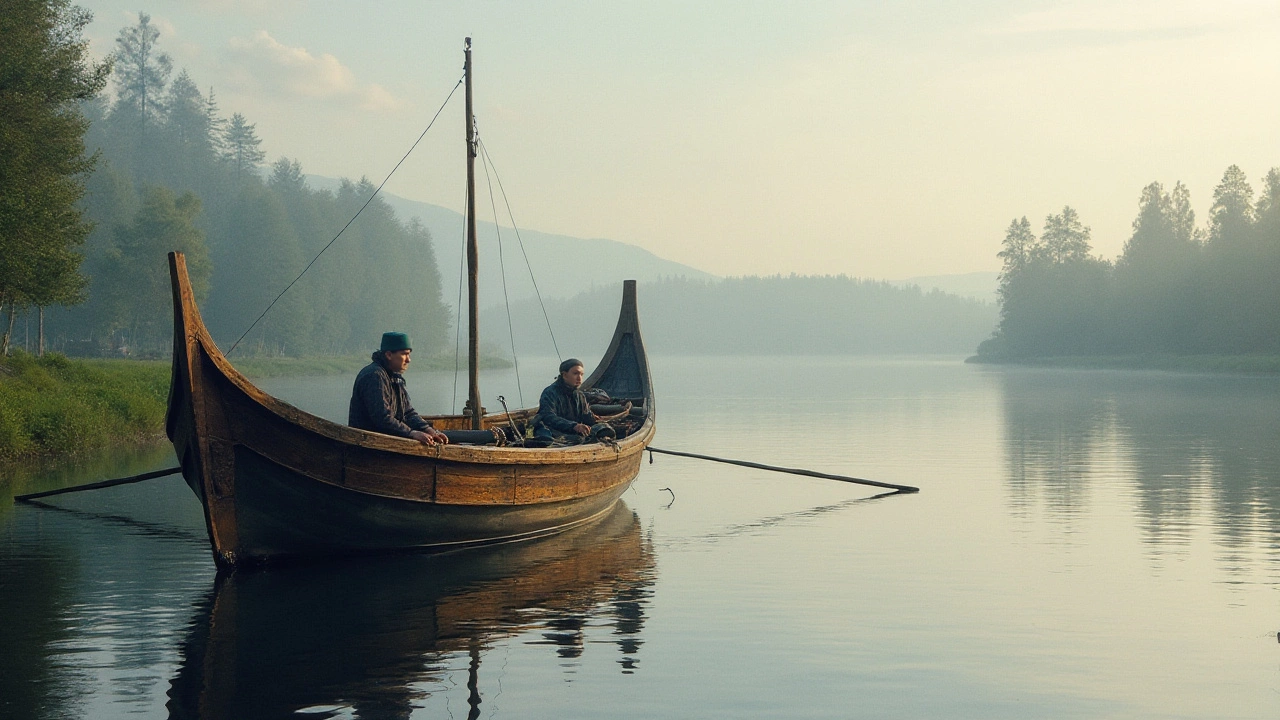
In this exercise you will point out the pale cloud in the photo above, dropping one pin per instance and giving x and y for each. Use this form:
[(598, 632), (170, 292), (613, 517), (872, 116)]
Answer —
[(272, 66)]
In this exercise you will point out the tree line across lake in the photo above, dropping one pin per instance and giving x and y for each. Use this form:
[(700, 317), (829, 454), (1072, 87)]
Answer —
[(776, 315), (1176, 289)]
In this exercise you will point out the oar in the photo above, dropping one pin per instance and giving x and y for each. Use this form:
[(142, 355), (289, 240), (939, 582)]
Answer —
[(99, 485), (793, 471)]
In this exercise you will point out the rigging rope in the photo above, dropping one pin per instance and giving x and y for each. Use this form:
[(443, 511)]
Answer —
[(485, 152), (502, 265), (353, 217)]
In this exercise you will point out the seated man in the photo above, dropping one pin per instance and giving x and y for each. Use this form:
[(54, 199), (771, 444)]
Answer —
[(379, 400), (563, 412)]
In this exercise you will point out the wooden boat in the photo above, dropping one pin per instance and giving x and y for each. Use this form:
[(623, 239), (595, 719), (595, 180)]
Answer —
[(372, 635), (277, 482)]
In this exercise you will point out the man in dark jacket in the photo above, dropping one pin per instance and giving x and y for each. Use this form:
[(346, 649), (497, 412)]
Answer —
[(379, 400), (563, 411)]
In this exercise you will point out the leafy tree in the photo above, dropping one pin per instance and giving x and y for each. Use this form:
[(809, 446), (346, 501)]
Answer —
[(138, 288), (61, 284), (44, 73)]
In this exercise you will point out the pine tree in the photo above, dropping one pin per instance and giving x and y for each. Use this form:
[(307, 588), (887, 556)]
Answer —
[(286, 175), (186, 115), (1267, 212), (142, 71), (1153, 230), (1018, 247), (241, 146), (1182, 217), (1064, 238), (1231, 216)]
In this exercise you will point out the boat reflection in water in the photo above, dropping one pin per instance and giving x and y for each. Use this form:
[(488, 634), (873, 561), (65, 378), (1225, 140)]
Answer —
[(369, 635)]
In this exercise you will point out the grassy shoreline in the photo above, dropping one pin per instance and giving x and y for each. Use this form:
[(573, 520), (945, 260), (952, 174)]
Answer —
[(1225, 364), (55, 406)]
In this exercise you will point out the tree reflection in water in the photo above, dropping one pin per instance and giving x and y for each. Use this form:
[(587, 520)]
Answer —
[(1192, 449), (369, 634)]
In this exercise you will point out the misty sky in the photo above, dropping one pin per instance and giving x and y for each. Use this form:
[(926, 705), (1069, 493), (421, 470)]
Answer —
[(878, 139)]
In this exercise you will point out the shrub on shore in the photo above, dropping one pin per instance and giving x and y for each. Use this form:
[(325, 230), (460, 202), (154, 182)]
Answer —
[(52, 405)]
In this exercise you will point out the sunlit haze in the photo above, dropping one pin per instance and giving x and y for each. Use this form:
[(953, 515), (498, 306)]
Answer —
[(868, 138)]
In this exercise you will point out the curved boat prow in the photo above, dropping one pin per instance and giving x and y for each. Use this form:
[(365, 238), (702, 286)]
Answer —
[(623, 372)]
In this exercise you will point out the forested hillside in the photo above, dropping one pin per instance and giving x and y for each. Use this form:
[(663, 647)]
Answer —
[(1176, 289), (175, 173), (594, 261)]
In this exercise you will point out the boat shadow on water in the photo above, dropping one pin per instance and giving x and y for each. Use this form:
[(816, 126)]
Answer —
[(371, 636)]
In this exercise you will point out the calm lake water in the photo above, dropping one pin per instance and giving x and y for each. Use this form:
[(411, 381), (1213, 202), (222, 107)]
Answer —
[(1087, 544)]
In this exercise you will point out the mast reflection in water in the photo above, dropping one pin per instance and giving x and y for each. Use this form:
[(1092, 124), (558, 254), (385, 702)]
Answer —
[(371, 635)]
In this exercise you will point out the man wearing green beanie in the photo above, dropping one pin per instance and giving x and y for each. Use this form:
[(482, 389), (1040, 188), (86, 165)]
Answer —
[(379, 399)]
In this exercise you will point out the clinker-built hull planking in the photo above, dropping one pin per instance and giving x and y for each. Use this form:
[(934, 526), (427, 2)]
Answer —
[(278, 482)]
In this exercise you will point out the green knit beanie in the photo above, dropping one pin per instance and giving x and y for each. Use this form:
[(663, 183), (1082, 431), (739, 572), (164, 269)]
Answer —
[(395, 341)]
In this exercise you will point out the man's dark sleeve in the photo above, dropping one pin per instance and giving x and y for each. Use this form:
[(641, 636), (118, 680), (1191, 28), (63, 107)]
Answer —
[(548, 413), (375, 394), (412, 418), (586, 417)]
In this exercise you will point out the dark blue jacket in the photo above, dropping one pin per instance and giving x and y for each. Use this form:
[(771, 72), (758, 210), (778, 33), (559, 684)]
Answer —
[(560, 408), (380, 402)]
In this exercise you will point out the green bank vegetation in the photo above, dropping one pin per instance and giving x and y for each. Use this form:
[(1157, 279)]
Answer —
[(52, 405), (1180, 296)]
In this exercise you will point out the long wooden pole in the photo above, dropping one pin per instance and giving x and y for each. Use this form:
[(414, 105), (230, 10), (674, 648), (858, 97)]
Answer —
[(99, 485), (793, 471), (473, 261)]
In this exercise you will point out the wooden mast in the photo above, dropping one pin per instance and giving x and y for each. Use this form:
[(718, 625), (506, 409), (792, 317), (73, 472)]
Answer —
[(473, 261)]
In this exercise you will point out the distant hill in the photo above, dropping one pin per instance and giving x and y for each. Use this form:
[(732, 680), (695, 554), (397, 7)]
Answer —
[(976, 285), (563, 266)]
